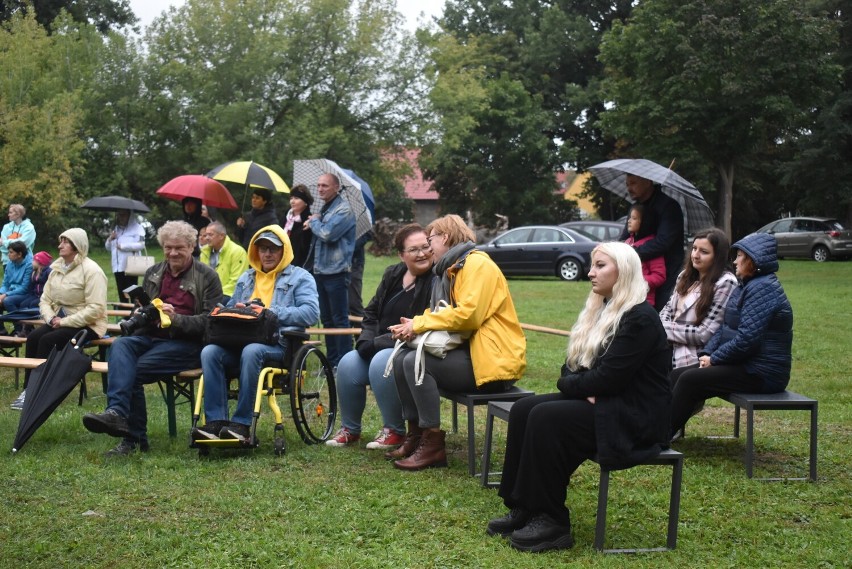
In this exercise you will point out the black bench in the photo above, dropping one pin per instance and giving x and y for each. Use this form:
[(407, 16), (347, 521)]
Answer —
[(784, 401), (668, 457), (471, 400)]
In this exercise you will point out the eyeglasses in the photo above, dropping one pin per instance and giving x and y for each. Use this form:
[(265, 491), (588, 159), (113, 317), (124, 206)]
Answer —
[(429, 239), (267, 249), (416, 250)]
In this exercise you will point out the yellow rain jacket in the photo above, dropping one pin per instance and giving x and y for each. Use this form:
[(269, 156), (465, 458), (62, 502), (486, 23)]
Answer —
[(481, 303)]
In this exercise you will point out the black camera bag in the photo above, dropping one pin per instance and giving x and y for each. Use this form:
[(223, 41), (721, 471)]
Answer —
[(237, 327)]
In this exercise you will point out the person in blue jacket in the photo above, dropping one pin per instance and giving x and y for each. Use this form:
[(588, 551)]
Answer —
[(16, 278), (752, 351)]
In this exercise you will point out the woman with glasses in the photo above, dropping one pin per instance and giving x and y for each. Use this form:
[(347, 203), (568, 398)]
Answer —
[(404, 291), (491, 361)]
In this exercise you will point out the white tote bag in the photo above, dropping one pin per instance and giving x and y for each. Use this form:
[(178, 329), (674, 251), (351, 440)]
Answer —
[(138, 264)]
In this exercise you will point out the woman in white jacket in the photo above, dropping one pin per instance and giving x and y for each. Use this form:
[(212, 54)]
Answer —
[(126, 239)]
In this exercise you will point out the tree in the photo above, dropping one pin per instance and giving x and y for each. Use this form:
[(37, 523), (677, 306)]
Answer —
[(103, 14), (725, 79)]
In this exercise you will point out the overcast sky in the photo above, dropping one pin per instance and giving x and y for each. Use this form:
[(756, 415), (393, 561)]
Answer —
[(147, 10)]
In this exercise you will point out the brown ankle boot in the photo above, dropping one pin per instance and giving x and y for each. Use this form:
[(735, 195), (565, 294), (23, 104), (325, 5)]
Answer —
[(409, 445), (430, 453)]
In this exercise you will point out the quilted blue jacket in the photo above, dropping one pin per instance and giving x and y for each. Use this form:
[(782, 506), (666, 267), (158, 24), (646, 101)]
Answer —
[(757, 331)]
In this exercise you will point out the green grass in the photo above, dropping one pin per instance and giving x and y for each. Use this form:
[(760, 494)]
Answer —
[(64, 506)]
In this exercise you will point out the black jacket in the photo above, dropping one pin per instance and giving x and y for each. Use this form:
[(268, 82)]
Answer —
[(255, 219), (372, 339), (631, 388)]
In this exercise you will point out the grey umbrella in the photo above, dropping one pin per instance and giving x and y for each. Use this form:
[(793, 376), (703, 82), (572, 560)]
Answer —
[(115, 203), (307, 171), (612, 176)]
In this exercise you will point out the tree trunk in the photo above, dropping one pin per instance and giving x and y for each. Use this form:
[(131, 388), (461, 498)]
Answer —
[(726, 197)]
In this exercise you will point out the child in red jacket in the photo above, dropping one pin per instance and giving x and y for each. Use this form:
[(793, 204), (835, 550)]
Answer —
[(654, 270)]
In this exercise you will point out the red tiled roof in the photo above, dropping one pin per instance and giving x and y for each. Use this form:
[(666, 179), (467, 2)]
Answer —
[(416, 188)]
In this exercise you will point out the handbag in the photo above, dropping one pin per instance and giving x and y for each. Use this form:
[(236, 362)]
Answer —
[(235, 328), (138, 264), (434, 342)]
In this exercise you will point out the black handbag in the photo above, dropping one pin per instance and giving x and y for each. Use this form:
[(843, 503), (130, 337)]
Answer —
[(238, 327)]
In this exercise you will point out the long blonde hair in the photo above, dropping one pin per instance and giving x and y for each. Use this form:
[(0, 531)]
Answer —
[(598, 322)]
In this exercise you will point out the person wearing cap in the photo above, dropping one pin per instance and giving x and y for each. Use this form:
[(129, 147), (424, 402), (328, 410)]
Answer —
[(330, 260), (224, 256), (262, 214), (752, 351), (285, 289), (74, 299), (126, 239), (294, 223), (38, 278), (162, 345)]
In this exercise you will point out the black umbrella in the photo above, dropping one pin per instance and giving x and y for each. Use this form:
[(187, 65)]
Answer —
[(49, 384), (115, 203)]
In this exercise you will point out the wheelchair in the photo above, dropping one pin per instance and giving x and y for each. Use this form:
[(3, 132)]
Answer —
[(308, 378)]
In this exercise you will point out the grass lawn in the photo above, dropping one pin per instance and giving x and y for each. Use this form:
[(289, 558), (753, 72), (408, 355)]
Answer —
[(65, 506)]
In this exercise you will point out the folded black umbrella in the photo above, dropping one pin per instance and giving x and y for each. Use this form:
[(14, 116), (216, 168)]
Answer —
[(49, 385)]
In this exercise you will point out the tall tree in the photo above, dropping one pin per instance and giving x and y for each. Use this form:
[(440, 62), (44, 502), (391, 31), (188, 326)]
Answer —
[(103, 14), (727, 79)]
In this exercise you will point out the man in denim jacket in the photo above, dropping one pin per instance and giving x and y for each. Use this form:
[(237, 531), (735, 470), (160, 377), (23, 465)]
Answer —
[(331, 252), (285, 289)]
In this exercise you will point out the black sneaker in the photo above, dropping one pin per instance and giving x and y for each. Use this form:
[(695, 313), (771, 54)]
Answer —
[(542, 533), (236, 431), (126, 448), (210, 431), (109, 422), (515, 519)]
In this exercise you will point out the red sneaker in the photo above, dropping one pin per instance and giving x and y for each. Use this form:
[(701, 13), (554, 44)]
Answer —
[(386, 439), (344, 437)]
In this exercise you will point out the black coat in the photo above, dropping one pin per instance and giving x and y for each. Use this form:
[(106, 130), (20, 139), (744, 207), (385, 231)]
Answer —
[(631, 389), (255, 219), (300, 238), (371, 340)]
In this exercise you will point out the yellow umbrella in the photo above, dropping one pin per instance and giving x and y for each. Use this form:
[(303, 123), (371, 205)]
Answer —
[(251, 174)]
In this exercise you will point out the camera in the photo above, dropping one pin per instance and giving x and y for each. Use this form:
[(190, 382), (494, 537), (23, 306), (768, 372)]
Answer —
[(146, 314)]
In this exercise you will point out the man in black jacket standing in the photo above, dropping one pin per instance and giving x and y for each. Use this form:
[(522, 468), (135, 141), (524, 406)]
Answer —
[(666, 222)]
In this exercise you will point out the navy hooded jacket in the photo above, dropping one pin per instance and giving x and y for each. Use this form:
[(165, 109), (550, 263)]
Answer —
[(757, 331)]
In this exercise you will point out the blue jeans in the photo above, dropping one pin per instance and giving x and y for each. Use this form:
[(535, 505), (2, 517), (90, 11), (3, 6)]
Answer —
[(137, 360), (219, 364), (354, 375), (334, 312), (19, 301)]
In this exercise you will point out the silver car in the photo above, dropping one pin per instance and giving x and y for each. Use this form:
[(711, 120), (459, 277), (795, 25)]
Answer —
[(818, 238)]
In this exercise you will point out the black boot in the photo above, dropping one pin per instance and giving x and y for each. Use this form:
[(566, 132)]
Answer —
[(542, 533), (515, 519)]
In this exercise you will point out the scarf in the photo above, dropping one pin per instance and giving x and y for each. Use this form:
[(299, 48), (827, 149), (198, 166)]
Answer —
[(291, 219), (456, 255)]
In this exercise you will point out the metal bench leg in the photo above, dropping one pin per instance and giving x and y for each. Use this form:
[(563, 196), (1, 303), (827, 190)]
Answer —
[(674, 503), (170, 407), (736, 421), (600, 523), (455, 417), (471, 440), (486, 451), (813, 460), (749, 453)]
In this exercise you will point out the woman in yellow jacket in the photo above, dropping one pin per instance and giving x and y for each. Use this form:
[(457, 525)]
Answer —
[(74, 298), (490, 362)]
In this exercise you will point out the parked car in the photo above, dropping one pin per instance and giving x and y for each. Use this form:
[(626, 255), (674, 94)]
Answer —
[(542, 250), (819, 238), (602, 230)]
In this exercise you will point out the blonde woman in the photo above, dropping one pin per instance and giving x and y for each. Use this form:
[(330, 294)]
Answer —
[(613, 402)]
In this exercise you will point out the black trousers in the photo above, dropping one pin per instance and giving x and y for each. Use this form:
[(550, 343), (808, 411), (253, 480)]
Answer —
[(44, 338), (122, 281), (549, 437), (692, 385)]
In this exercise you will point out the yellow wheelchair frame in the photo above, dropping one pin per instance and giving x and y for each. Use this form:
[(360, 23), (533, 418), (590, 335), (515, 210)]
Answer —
[(312, 392)]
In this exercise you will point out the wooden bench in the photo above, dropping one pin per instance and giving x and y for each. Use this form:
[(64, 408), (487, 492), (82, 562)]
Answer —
[(668, 457), (471, 400), (10, 346), (784, 401)]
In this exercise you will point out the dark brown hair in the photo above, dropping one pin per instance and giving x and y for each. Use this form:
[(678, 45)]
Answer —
[(721, 250), (404, 233)]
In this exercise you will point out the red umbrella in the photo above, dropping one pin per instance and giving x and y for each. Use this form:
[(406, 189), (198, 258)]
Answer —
[(209, 191)]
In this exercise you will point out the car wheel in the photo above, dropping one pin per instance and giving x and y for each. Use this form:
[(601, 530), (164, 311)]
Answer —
[(568, 270), (821, 254)]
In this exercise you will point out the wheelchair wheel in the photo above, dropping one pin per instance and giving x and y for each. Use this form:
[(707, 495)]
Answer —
[(313, 395)]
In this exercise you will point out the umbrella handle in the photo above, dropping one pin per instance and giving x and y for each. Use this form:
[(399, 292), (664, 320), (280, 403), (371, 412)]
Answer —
[(79, 339)]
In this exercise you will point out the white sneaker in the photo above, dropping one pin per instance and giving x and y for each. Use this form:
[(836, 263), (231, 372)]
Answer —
[(18, 403)]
